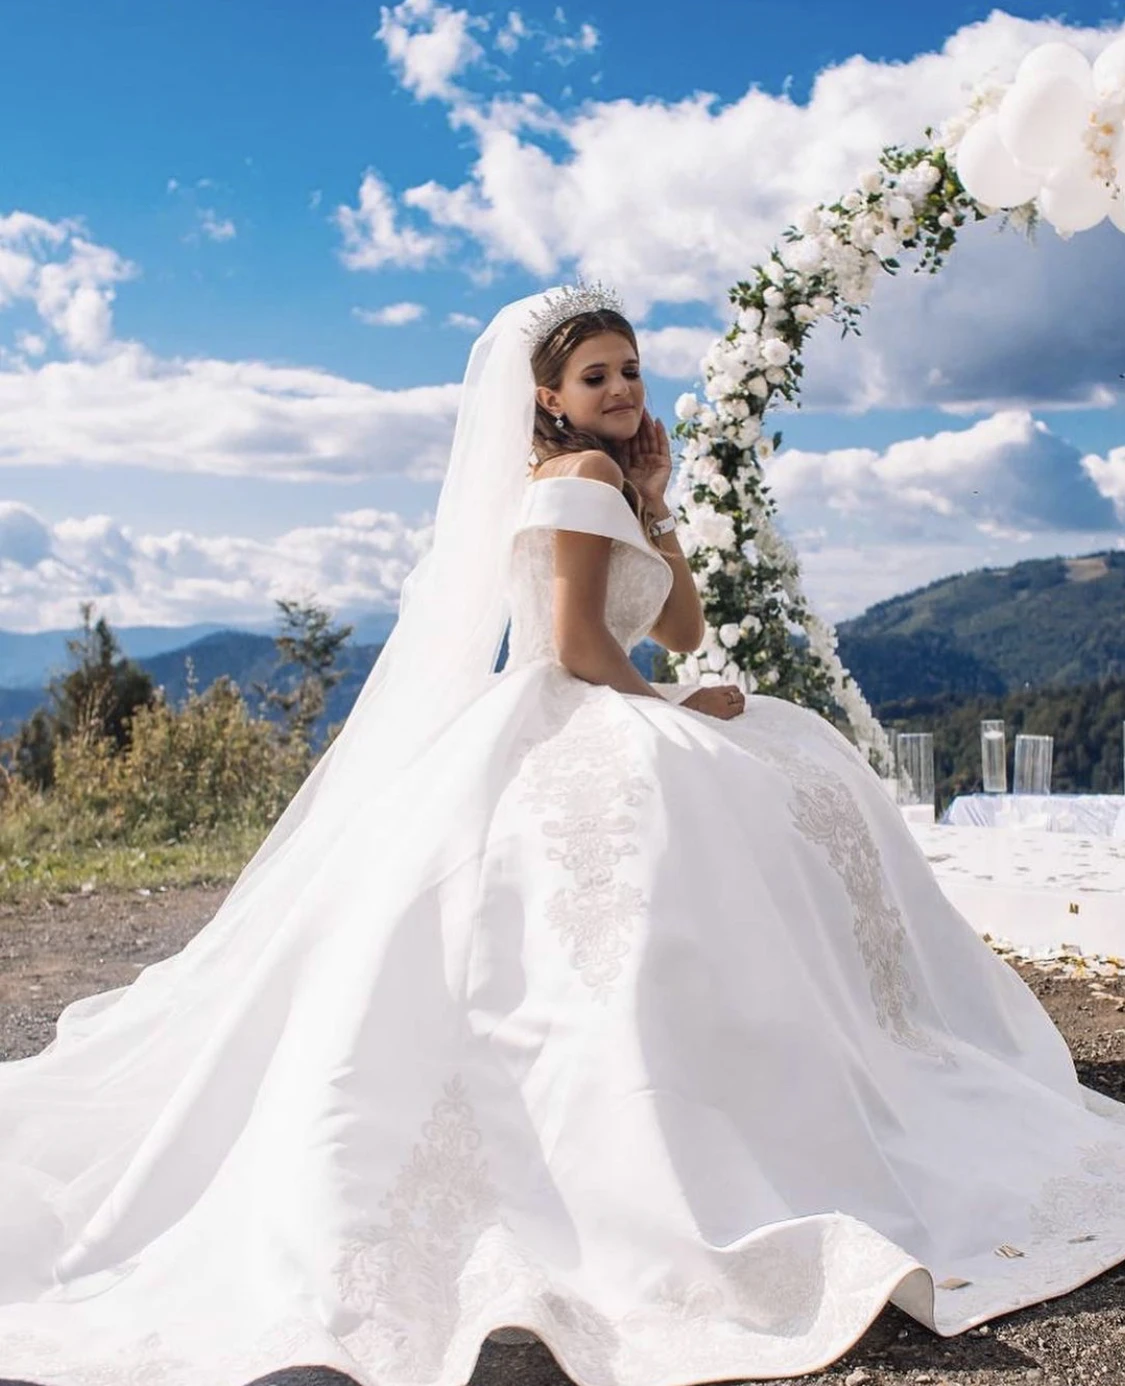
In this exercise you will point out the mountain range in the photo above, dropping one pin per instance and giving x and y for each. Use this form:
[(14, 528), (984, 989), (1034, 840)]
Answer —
[(1047, 622), (1042, 623)]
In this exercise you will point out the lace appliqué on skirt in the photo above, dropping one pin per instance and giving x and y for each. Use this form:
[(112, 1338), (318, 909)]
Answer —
[(581, 780), (826, 813)]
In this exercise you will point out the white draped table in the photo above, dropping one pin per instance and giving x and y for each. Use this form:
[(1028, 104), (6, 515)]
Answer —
[(1035, 888), (1093, 815)]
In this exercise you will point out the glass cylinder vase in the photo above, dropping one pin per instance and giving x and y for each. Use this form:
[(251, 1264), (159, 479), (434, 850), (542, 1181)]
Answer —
[(993, 757)]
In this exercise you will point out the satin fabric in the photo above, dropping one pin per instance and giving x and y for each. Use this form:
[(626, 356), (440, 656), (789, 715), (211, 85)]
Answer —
[(643, 1031)]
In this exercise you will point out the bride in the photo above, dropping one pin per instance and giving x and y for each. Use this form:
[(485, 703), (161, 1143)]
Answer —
[(629, 1016)]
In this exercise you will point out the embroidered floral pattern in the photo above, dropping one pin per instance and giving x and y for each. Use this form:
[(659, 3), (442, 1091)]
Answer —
[(1072, 1206), (410, 1277), (826, 813), (581, 777)]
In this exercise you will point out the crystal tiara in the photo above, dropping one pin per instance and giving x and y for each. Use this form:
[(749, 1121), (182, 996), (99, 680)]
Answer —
[(568, 303)]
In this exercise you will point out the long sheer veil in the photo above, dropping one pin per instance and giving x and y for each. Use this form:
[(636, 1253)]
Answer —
[(453, 608)]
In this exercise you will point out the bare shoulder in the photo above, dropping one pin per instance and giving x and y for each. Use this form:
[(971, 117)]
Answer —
[(598, 466), (594, 465)]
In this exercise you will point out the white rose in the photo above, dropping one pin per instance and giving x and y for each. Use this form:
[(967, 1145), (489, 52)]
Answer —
[(809, 221), (749, 433), (706, 417), (751, 624), (805, 313), (750, 319), (806, 256), (775, 270), (927, 174), (715, 530), (730, 634), (775, 352), (775, 375), (687, 406), (737, 408), (872, 180), (758, 386), (764, 448), (774, 297), (720, 485), (946, 219), (718, 384), (822, 305), (898, 208), (886, 245), (851, 201)]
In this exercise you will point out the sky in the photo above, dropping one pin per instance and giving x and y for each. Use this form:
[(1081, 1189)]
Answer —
[(245, 247)]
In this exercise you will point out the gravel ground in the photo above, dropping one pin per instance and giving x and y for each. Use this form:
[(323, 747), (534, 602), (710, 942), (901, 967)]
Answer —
[(62, 947)]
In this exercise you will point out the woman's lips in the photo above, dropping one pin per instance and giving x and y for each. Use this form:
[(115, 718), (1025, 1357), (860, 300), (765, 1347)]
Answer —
[(621, 409)]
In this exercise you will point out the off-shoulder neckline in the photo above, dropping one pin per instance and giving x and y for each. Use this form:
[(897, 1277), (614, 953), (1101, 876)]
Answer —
[(542, 480), (640, 541)]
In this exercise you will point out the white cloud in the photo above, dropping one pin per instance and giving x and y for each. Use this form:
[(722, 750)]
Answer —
[(393, 315), (68, 280), (31, 343), (1108, 475), (674, 352), (1007, 476), (463, 320), (355, 563), (214, 227), (230, 418), (513, 31), (428, 44), (373, 236), (674, 200), (564, 48)]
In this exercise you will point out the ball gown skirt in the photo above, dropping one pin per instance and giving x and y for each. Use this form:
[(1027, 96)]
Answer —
[(646, 1032)]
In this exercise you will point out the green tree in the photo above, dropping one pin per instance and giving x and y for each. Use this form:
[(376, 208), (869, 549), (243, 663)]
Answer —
[(98, 697), (310, 644)]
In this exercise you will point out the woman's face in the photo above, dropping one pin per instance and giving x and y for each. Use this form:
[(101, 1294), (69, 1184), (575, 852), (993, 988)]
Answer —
[(601, 391)]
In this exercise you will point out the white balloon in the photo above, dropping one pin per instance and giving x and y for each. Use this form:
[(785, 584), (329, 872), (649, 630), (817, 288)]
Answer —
[(988, 172), (1109, 70), (1072, 200), (1042, 120), (1061, 59)]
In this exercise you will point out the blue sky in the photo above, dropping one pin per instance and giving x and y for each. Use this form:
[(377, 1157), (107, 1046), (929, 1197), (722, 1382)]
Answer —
[(203, 414)]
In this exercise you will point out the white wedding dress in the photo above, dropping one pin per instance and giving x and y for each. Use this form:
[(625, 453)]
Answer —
[(644, 1031)]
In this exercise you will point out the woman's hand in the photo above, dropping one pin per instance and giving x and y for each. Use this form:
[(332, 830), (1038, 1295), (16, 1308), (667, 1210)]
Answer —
[(646, 460), (722, 700)]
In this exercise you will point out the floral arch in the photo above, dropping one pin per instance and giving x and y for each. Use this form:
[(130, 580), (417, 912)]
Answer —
[(1051, 145)]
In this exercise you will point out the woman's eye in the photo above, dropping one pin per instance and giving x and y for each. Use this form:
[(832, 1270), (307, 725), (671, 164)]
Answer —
[(593, 379)]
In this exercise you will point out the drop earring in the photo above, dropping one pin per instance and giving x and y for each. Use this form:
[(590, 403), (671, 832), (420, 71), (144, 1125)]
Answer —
[(560, 421)]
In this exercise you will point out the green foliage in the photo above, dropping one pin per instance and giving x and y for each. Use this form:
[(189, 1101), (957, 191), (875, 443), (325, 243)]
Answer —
[(96, 697), (309, 642), (1042, 622), (161, 776)]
